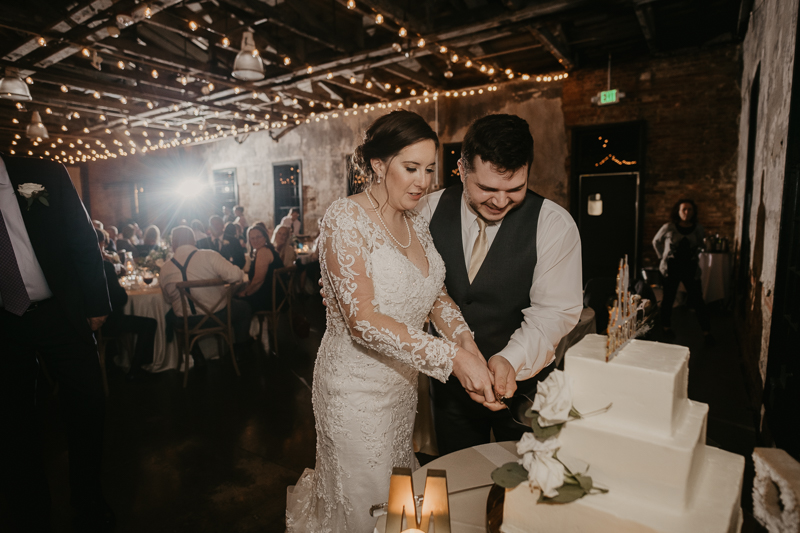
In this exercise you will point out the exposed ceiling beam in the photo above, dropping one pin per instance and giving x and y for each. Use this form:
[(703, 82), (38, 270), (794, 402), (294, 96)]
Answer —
[(644, 14), (420, 77), (345, 84), (392, 11), (557, 47)]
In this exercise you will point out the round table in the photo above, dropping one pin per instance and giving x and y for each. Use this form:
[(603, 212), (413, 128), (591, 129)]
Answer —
[(468, 486), (149, 302)]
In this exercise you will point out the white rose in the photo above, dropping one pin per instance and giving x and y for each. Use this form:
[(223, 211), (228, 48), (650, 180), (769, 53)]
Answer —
[(29, 189), (159, 263), (529, 443), (553, 399), (544, 472)]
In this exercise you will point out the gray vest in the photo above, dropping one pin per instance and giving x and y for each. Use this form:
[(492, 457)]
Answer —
[(492, 304)]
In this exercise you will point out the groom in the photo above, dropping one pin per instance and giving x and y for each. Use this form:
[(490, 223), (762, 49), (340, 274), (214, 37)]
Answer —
[(53, 295), (513, 267)]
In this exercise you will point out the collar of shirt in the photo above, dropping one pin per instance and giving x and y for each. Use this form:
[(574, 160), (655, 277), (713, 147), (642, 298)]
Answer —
[(183, 252), (469, 229)]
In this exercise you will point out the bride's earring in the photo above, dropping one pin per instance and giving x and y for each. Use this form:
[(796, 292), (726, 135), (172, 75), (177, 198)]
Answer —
[(379, 178)]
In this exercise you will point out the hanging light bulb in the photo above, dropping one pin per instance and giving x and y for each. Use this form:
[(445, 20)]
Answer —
[(154, 73), (397, 90), (226, 42), (123, 100), (193, 25), (351, 4), (421, 43), (368, 85), (490, 71), (309, 69), (526, 77), (287, 61), (86, 52), (403, 32), (378, 19), (454, 58), (352, 80), (330, 75), (468, 63), (150, 105), (41, 41), (448, 73), (96, 95), (247, 66), (183, 80)]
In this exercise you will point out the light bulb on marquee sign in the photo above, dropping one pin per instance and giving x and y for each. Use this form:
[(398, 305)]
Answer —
[(435, 503)]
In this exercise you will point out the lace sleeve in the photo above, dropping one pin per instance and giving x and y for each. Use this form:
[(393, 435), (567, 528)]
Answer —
[(347, 266), (447, 317)]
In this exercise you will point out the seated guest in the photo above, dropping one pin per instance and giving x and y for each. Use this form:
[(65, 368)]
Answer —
[(263, 226), (191, 264), (118, 322), (240, 219), (152, 236), (214, 240), (292, 220), (125, 243), (227, 216), (97, 224), (199, 230), (283, 245), (138, 236), (264, 261), (111, 242), (232, 249)]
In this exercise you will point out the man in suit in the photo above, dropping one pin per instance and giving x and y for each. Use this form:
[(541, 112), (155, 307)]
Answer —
[(54, 296), (514, 268), (214, 241)]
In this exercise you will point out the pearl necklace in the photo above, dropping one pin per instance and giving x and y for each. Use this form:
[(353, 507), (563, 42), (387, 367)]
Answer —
[(405, 218)]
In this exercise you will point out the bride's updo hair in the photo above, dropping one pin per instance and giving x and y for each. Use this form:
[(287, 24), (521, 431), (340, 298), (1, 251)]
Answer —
[(387, 136)]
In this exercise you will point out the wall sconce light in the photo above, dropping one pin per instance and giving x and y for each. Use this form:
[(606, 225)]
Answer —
[(595, 206)]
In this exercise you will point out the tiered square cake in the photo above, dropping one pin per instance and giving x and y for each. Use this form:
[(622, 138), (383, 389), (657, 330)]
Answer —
[(649, 450)]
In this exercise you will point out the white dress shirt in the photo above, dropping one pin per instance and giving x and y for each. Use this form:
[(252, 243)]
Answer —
[(556, 291), (289, 222), (29, 267), (205, 264)]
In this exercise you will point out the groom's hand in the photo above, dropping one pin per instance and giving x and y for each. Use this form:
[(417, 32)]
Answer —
[(472, 373), (505, 378)]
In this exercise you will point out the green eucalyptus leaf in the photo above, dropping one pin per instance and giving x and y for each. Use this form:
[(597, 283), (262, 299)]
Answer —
[(530, 413), (44, 200), (544, 433), (510, 475), (584, 481), (574, 413), (566, 494)]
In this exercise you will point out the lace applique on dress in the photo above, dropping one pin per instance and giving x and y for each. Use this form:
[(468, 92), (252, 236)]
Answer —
[(365, 378)]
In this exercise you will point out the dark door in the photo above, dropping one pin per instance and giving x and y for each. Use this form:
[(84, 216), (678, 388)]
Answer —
[(609, 230), (226, 192), (288, 189), (452, 153)]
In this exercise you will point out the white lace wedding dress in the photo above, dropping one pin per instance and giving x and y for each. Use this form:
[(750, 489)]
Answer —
[(365, 378)]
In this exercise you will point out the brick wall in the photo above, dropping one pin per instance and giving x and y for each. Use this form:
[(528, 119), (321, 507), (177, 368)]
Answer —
[(691, 104)]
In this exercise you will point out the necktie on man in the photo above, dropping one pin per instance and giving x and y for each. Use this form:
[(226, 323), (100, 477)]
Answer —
[(479, 250), (12, 287)]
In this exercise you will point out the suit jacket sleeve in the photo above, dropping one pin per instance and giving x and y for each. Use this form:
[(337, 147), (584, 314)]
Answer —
[(83, 250)]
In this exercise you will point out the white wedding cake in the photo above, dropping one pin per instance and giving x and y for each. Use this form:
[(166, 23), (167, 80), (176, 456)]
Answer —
[(648, 450)]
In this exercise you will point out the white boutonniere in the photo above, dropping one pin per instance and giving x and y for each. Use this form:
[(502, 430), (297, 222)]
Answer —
[(32, 192)]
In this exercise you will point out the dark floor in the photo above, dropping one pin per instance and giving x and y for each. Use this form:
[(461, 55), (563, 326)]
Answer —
[(219, 455)]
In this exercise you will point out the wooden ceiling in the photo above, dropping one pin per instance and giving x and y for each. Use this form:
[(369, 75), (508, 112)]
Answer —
[(125, 74)]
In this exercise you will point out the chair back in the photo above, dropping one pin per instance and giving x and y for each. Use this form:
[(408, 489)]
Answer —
[(215, 324), (283, 282)]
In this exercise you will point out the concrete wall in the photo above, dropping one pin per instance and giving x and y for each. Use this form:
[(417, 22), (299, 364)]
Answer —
[(770, 43)]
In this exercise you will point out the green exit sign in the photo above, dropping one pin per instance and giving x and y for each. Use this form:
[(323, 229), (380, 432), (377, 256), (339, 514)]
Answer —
[(609, 97), (612, 96)]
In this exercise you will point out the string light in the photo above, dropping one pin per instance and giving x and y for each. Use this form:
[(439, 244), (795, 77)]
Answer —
[(454, 58), (421, 43), (193, 25), (123, 100), (96, 95), (403, 32), (309, 69), (86, 52), (41, 41), (287, 61), (351, 4), (378, 19), (368, 85), (442, 49), (154, 73), (64, 89), (226, 42)]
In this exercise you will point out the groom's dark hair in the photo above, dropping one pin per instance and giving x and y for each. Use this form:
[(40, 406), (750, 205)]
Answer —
[(504, 141)]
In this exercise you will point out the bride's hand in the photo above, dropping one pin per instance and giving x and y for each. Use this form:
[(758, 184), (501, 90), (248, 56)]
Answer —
[(472, 372)]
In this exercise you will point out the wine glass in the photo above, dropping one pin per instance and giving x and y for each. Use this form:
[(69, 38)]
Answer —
[(147, 277)]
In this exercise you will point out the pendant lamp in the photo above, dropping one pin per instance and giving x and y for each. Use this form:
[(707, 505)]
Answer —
[(248, 65), (36, 129), (12, 87)]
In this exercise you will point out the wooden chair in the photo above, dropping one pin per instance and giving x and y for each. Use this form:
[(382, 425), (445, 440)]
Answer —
[(285, 279), (209, 324), (123, 339)]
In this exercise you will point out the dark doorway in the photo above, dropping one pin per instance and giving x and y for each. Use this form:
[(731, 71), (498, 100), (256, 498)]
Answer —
[(782, 389), (288, 189), (450, 174), (743, 282), (608, 161)]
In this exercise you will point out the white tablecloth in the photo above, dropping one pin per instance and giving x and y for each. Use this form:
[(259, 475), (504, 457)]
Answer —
[(715, 275), (466, 469), (150, 303)]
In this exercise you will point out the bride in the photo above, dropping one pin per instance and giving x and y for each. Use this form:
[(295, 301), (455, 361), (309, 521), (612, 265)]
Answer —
[(382, 278)]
